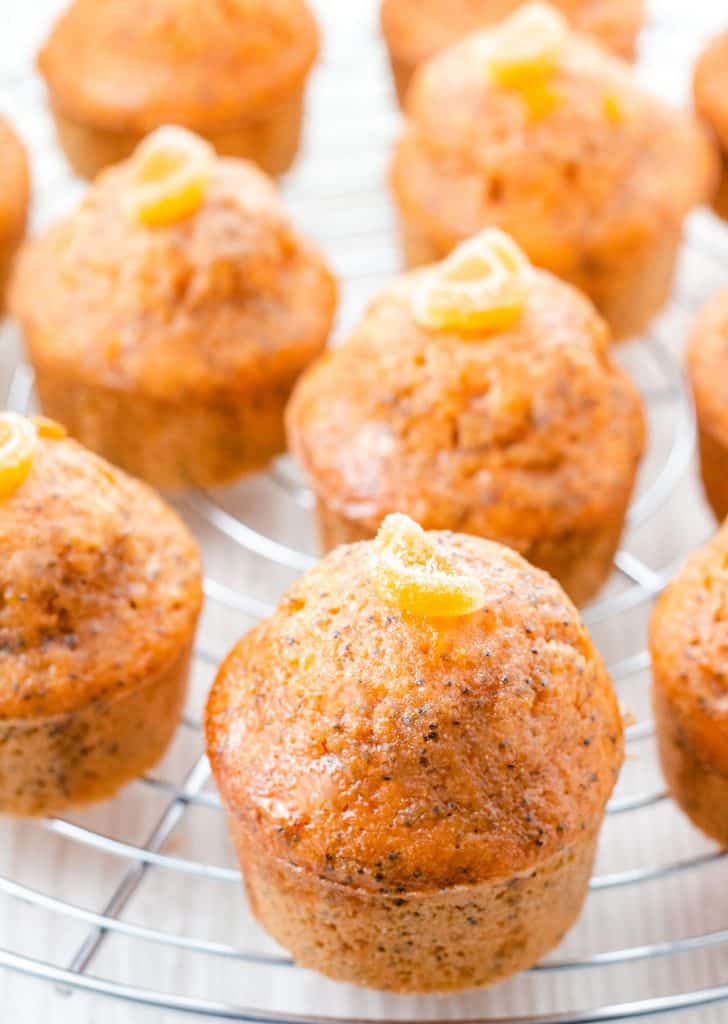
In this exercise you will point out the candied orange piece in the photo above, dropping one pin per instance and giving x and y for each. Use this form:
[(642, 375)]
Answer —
[(171, 169), (18, 442), (481, 286), (613, 107), (49, 429), (415, 575), (527, 47)]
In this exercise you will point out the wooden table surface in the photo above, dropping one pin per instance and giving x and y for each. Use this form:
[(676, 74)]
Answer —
[(338, 195)]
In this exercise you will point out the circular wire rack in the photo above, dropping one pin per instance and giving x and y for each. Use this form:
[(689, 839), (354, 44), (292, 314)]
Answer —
[(160, 848)]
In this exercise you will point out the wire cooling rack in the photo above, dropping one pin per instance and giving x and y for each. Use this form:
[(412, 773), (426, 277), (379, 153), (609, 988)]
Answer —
[(140, 900)]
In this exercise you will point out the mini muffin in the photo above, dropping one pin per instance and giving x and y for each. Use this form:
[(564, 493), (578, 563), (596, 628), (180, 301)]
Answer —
[(234, 72), (689, 645), (415, 752), (707, 364), (532, 129), (710, 89), (14, 200), (520, 429), (415, 31), (168, 318), (100, 591)]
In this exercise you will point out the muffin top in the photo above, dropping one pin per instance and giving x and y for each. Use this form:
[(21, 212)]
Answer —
[(707, 361), (514, 433), (380, 748), (579, 158), (225, 295), (100, 582), (130, 65), (418, 29), (15, 184), (710, 86), (689, 644)]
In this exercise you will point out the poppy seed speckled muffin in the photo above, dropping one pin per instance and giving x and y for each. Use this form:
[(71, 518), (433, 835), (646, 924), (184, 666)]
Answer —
[(689, 645), (100, 590), (231, 70), (707, 366), (14, 200), (532, 129), (415, 800), (415, 31), (169, 316), (710, 90), (526, 433)]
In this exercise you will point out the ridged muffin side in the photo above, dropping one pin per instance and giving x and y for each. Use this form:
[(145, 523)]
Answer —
[(14, 201)]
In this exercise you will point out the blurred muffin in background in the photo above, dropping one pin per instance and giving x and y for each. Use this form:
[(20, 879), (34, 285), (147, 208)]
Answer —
[(710, 89), (14, 200), (535, 130), (234, 72), (168, 318), (416, 30)]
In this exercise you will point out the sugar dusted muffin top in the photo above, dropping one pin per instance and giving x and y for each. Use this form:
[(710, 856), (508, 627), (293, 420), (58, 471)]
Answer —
[(601, 163), (379, 748), (129, 65), (227, 295), (511, 433), (99, 584)]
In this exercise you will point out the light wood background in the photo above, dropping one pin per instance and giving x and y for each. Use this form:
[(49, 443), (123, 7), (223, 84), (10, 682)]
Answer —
[(338, 194)]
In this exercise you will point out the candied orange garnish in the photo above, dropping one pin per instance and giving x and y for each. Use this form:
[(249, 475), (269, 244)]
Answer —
[(613, 107), (49, 429), (171, 169), (414, 574), (18, 442), (481, 286), (527, 47)]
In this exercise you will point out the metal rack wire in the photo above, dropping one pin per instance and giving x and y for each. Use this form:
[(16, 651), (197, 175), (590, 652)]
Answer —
[(264, 522)]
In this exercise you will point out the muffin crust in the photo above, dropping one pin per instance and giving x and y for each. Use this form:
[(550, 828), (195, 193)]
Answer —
[(172, 351), (14, 200), (530, 436), (595, 191), (392, 780), (232, 70), (99, 594), (689, 644), (710, 90)]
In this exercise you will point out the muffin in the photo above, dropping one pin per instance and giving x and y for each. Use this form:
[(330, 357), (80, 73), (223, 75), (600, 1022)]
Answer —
[(100, 591), (707, 365), (689, 645), (415, 752), (234, 72), (710, 89), (14, 200), (520, 429), (168, 318), (532, 129), (416, 32)]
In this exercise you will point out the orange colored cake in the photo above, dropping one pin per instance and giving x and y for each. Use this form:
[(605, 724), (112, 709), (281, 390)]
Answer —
[(415, 31), (169, 316), (531, 128), (233, 71), (415, 752), (521, 430), (710, 89), (14, 200), (689, 645), (707, 365), (100, 590)]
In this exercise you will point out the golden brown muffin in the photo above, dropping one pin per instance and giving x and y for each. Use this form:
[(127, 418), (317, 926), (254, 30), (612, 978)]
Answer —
[(591, 175), (710, 90), (527, 434), (99, 595), (171, 348), (231, 70), (415, 801), (415, 31), (707, 364), (689, 645), (14, 200)]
